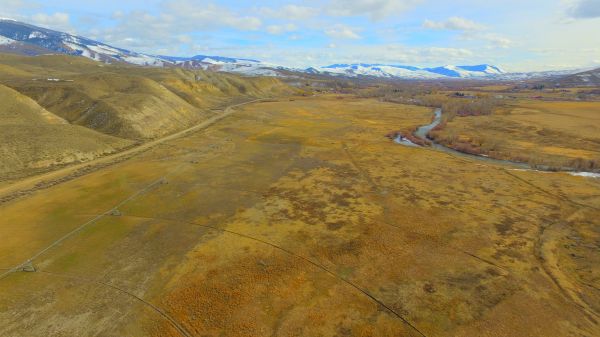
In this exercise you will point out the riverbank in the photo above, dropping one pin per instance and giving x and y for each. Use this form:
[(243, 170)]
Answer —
[(424, 133), (551, 136)]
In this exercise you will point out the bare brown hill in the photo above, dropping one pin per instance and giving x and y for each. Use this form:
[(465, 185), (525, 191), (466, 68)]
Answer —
[(33, 139), (127, 101), (57, 109)]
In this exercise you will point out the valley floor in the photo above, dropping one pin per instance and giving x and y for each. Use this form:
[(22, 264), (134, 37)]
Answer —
[(555, 134), (299, 217)]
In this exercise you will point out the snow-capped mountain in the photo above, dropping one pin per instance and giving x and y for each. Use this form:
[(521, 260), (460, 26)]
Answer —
[(26, 39), (403, 71), (219, 63), (50, 41), (22, 38)]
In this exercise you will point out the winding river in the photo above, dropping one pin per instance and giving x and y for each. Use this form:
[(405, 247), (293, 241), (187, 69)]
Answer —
[(424, 130)]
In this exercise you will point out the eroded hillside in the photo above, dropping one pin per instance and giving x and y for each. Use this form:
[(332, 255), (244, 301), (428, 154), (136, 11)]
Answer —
[(127, 101), (33, 138), (97, 109)]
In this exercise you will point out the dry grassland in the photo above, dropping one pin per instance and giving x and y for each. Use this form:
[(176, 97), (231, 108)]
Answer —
[(556, 134), (299, 218), (62, 110)]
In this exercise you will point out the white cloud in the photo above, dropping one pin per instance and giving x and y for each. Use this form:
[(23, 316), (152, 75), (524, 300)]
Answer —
[(497, 40), (14, 9), (144, 31), (470, 30), (183, 27), (188, 13), (454, 23), (281, 29), (585, 9), (56, 20), (303, 57), (340, 31), (289, 12), (374, 9), (400, 54), (493, 40)]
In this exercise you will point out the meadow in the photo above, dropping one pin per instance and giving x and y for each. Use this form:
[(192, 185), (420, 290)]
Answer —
[(298, 217), (62, 110), (561, 135)]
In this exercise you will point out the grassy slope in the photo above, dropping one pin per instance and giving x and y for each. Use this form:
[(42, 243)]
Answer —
[(33, 139), (104, 107), (126, 101)]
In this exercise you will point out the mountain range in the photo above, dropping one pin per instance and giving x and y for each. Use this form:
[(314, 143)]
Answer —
[(402, 71), (25, 39)]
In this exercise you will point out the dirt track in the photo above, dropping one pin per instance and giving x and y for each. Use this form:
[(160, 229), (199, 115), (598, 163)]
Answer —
[(31, 184), (301, 219)]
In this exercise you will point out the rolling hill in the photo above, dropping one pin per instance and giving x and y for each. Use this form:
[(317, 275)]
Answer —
[(128, 101), (61, 109), (33, 139)]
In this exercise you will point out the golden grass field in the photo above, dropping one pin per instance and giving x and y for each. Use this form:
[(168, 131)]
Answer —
[(553, 133), (297, 217), (62, 110)]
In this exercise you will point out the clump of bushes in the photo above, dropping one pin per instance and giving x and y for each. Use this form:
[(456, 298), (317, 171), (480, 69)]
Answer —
[(453, 105), (469, 107), (585, 164)]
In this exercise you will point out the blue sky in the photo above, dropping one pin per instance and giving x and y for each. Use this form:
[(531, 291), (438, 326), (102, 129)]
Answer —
[(516, 35)]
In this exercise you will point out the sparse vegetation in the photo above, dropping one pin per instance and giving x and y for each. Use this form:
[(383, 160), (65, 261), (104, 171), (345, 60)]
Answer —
[(296, 217), (91, 109), (553, 135)]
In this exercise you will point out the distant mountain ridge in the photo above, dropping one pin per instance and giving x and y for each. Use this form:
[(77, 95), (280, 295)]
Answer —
[(26, 39), (22, 38), (588, 78), (405, 71)]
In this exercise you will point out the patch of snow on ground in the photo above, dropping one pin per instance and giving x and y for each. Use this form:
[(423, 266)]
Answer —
[(404, 141), (585, 174), (533, 170)]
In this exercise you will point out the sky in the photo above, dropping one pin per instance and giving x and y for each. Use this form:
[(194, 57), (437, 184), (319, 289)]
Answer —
[(517, 35)]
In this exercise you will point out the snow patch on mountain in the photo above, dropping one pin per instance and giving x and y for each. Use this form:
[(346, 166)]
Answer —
[(404, 71), (4, 40), (37, 35), (25, 36), (246, 67), (377, 70)]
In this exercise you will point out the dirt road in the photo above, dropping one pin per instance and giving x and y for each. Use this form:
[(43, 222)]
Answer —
[(25, 186)]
